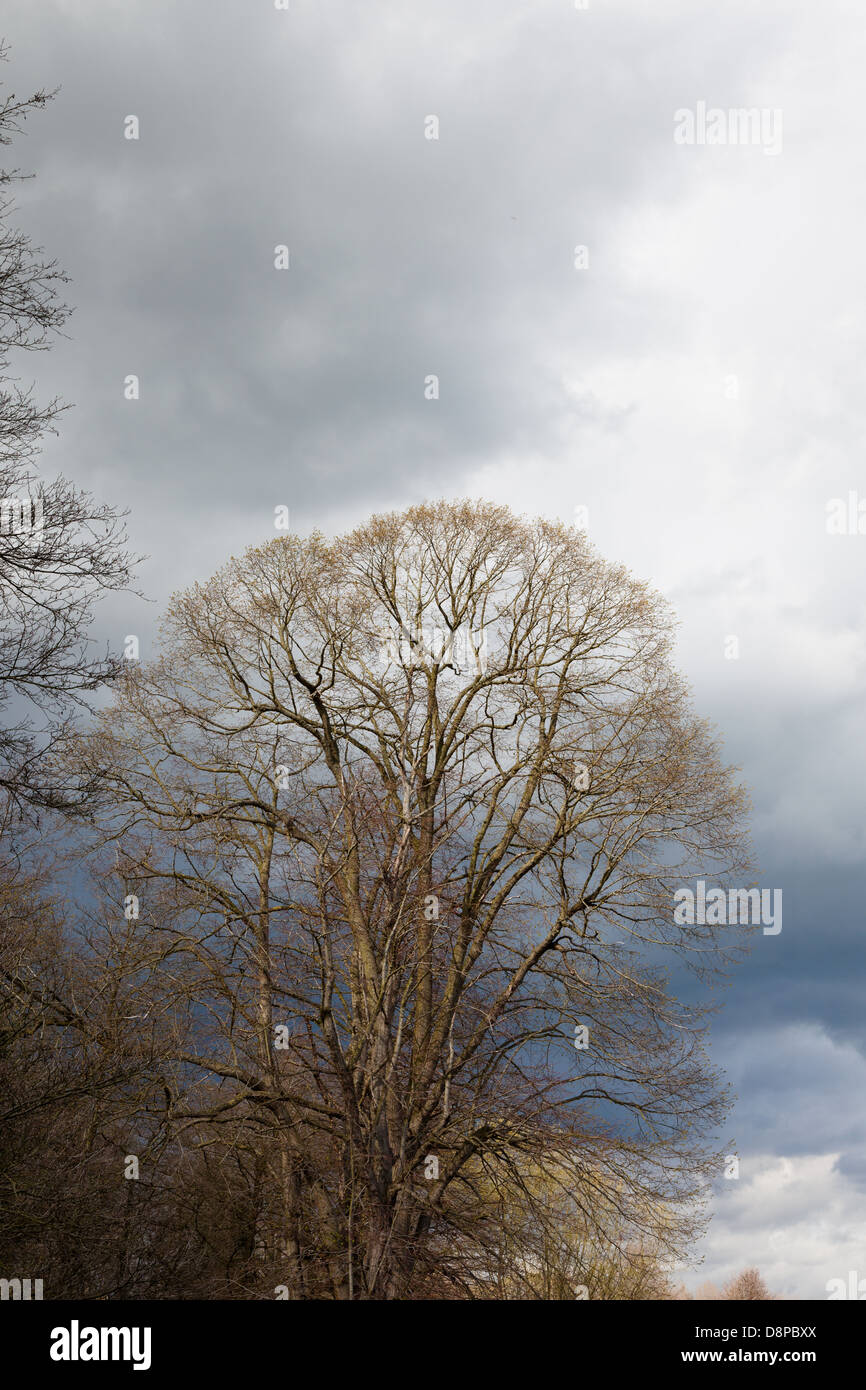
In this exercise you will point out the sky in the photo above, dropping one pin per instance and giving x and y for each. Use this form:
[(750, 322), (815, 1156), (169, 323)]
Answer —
[(667, 334)]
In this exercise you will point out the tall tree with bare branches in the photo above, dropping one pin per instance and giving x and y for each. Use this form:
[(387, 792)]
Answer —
[(405, 812)]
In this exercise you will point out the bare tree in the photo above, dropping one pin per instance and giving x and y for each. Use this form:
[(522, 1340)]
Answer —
[(708, 1292), (99, 1197), (59, 549), (410, 808), (747, 1285)]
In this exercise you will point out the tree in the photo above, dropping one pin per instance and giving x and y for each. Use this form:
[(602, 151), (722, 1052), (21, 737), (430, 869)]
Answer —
[(707, 1292), (748, 1285), (583, 1248), (59, 549), (410, 808), (98, 1197)]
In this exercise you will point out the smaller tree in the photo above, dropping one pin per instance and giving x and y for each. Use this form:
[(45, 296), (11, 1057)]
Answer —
[(747, 1285), (708, 1293)]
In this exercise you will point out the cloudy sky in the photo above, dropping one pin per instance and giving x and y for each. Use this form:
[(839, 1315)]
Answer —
[(693, 378)]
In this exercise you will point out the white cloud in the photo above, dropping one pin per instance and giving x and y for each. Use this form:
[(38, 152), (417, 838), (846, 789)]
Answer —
[(797, 1219)]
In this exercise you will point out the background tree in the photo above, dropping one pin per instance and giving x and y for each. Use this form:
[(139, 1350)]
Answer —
[(747, 1285), (583, 1249), (63, 1061), (412, 807), (59, 549), (99, 1198)]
